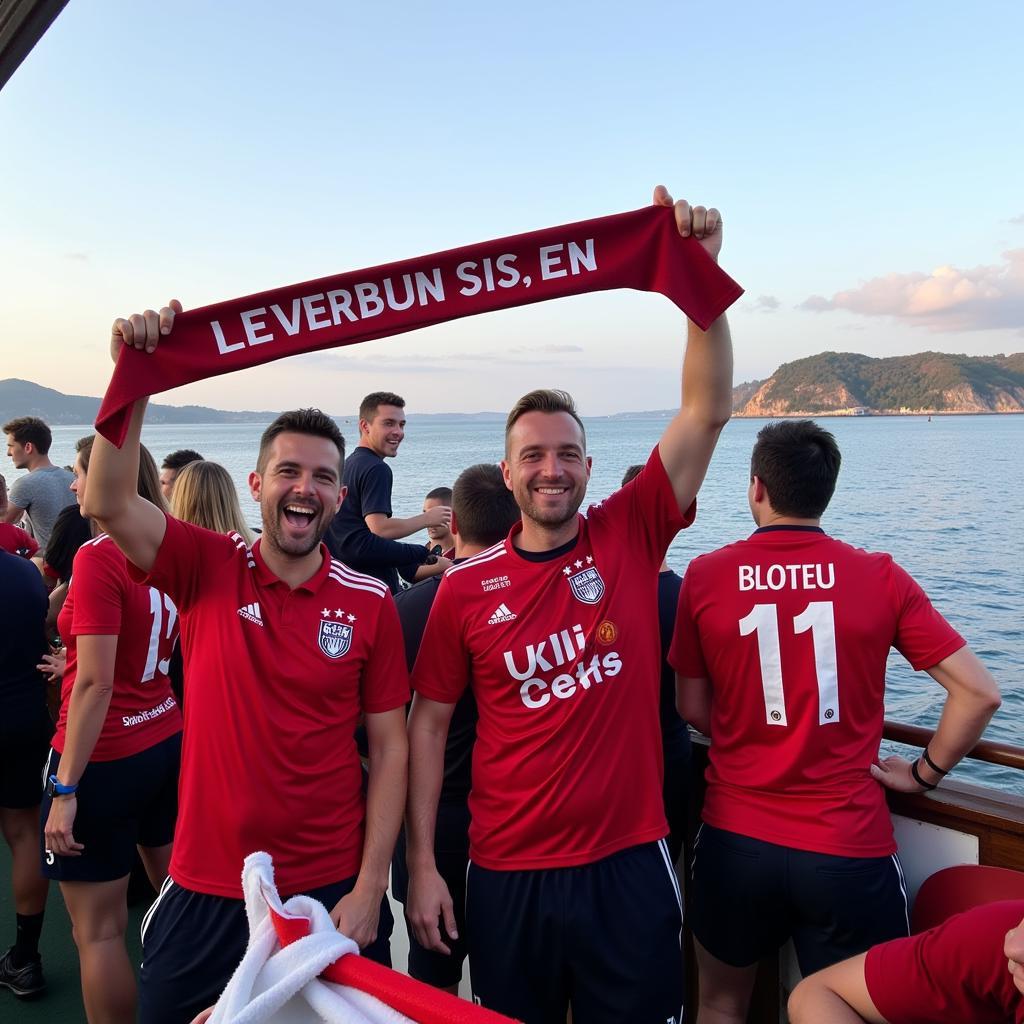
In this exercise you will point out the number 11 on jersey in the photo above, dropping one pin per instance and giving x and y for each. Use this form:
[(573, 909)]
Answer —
[(818, 617)]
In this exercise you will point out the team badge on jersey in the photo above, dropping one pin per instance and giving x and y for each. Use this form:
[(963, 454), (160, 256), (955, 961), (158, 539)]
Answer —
[(335, 638), (587, 586)]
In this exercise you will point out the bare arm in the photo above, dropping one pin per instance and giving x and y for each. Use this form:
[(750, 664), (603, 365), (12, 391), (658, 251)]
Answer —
[(429, 900), (395, 529), (356, 914), (706, 406), (693, 702), (972, 699), (87, 710), (11, 513), (1013, 950), (112, 498), (836, 995)]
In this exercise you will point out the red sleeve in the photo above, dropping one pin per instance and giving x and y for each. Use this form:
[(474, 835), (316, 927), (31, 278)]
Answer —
[(648, 510), (385, 682), (686, 655), (98, 582), (923, 636), (187, 554), (441, 671), (15, 540), (954, 972)]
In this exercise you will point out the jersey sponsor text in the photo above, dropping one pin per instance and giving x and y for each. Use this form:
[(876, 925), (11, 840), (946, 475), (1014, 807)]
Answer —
[(812, 576)]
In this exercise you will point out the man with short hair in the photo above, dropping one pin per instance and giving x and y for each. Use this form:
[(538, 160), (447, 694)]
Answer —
[(173, 465), (571, 897), (483, 512), (285, 648), (780, 647), (440, 538), (45, 489), (364, 534)]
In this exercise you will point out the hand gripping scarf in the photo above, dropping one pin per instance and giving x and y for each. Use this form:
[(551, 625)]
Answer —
[(298, 969), (640, 250)]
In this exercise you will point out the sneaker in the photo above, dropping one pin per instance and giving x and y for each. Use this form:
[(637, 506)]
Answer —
[(22, 981)]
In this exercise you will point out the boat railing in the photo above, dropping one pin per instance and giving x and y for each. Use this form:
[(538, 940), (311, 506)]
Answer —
[(1004, 754)]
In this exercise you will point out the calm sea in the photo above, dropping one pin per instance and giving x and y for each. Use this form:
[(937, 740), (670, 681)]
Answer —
[(943, 496)]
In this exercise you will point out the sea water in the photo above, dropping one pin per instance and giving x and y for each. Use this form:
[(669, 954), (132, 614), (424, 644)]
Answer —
[(943, 496)]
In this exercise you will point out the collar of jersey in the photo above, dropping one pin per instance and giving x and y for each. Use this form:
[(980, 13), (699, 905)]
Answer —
[(777, 529), (267, 578), (544, 556)]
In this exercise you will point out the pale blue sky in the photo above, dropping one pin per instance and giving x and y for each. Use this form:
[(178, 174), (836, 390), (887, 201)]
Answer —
[(207, 150)]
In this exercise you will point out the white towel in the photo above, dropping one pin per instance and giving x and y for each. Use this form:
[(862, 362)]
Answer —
[(282, 985)]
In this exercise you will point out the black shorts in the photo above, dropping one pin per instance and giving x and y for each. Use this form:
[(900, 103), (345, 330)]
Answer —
[(675, 791), (192, 942), (749, 897), (603, 938), (451, 852), (22, 756), (129, 802)]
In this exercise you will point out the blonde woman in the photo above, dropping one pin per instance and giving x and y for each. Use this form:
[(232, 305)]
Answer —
[(204, 494)]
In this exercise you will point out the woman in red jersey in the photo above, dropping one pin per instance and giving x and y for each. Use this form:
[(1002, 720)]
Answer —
[(111, 778)]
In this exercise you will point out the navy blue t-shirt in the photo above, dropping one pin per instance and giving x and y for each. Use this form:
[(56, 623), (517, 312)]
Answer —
[(23, 607), (368, 479), (675, 736)]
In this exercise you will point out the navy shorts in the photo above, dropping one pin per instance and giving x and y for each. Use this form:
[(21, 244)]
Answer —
[(451, 852), (749, 897), (602, 937), (192, 942), (22, 755), (128, 802)]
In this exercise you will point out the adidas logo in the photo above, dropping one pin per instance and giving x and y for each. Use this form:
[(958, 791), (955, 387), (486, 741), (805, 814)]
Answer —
[(501, 614), (252, 613)]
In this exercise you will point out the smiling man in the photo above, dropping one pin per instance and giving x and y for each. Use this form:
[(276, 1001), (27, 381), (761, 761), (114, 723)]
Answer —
[(571, 896), (364, 533), (285, 648)]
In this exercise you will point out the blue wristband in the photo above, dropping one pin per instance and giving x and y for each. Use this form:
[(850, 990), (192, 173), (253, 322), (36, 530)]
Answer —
[(57, 788)]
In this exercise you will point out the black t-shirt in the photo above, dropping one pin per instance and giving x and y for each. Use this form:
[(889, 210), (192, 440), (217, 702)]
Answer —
[(23, 607), (414, 607), (675, 737), (368, 479)]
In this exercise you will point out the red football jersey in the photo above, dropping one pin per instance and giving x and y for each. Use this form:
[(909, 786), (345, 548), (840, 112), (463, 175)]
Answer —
[(793, 629), (15, 540), (276, 679), (563, 658), (954, 972), (103, 601)]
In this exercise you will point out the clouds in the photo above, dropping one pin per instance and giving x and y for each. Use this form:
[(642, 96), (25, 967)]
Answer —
[(762, 304), (948, 299)]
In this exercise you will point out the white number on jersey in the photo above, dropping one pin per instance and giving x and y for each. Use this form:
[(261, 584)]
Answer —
[(818, 617), (157, 604)]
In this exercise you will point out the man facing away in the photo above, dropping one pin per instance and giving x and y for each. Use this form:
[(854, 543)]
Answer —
[(284, 648), (571, 895), (44, 490), (780, 648), (483, 512), (364, 534)]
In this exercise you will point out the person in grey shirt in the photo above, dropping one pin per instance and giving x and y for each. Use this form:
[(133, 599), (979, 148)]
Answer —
[(45, 489)]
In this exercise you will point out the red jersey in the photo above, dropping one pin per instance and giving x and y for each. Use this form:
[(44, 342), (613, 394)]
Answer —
[(954, 972), (103, 601), (793, 629), (17, 541), (564, 662), (276, 679)]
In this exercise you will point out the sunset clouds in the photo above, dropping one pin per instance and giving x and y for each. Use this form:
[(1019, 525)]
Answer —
[(948, 299)]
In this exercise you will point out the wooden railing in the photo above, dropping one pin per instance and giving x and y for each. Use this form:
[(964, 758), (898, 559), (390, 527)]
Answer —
[(1005, 754)]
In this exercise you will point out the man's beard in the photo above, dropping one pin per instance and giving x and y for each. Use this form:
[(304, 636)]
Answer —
[(293, 547)]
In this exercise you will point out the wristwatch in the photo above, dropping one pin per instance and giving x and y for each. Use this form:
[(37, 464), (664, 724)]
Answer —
[(54, 787)]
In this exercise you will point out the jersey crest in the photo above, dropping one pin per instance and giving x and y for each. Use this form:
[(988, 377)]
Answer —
[(587, 586), (334, 638)]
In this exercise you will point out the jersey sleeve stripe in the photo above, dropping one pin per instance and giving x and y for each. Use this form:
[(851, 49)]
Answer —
[(352, 585), (343, 573), (478, 559)]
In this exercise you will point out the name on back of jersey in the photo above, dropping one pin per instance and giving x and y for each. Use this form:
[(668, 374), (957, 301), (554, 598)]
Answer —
[(557, 667), (813, 576)]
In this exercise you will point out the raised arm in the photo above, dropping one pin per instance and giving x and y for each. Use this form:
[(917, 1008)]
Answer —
[(112, 498), (972, 699), (690, 438)]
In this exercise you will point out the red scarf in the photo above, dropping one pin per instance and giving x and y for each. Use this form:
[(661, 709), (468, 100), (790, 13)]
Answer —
[(640, 250)]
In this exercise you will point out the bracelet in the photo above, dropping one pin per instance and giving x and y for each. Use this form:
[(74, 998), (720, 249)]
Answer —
[(931, 764), (918, 779)]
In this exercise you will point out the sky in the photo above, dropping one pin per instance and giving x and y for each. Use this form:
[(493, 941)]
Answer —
[(868, 161)]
